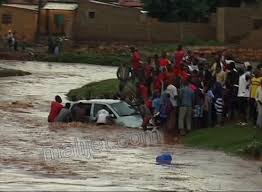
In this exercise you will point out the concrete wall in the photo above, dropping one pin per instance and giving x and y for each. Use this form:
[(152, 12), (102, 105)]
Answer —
[(234, 24), (253, 40), (24, 22), (128, 24)]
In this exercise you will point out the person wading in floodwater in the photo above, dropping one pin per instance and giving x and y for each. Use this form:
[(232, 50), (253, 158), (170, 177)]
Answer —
[(56, 107)]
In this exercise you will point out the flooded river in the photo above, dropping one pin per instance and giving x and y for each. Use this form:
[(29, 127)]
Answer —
[(37, 156)]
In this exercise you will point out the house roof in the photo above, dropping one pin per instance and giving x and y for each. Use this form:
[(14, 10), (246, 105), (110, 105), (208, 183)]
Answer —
[(131, 3), (61, 6), (103, 3), (21, 6), (110, 4)]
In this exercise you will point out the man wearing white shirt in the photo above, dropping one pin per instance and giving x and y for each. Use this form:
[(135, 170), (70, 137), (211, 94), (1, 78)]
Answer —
[(244, 93), (102, 117), (172, 91)]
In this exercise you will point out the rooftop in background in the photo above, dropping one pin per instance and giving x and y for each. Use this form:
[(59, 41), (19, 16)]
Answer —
[(131, 3), (21, 6), (35, 2), (61, 6)]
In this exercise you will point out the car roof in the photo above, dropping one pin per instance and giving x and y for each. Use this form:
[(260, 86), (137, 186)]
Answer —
[(100, 101)]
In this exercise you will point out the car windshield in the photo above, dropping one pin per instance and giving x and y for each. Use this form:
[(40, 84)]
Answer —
[(123, 109)]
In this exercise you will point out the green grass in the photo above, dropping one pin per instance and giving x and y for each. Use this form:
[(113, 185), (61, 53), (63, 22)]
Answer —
[(102, 89), (88, 58), (12, 72), (230, 139)]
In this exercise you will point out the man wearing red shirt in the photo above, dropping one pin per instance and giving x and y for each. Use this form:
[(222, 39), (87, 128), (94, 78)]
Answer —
[(143, 89), (136, 62), (56, 107), (164, 62), (160, 80), (180, 54)]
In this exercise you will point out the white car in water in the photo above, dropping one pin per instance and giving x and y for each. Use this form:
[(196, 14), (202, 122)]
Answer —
[(122, 113)]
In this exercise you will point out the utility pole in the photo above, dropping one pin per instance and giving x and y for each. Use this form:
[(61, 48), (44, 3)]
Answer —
[(38, 19)]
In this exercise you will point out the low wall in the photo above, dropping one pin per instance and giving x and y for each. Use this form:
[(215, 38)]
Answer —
[(242, 54), (153, 32)]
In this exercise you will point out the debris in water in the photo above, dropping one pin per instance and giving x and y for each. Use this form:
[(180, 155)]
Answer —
[(164, 159)]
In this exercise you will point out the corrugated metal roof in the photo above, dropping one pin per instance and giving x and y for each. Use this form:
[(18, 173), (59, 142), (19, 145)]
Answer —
[(61, 6), (21, 6)]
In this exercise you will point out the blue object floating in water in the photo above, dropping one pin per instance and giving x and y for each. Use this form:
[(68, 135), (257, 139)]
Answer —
[(164, 159)]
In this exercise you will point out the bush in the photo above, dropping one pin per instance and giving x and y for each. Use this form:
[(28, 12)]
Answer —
[(96, 90)]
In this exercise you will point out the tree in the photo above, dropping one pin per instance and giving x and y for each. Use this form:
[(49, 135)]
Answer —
[(188, 10), (2, 1), (179, 10)]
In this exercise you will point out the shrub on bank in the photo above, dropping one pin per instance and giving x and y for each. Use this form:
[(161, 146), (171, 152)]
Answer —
[(99, 90)]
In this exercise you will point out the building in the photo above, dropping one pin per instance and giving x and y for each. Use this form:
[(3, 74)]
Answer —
[(90, 20), (21, 16), (57, 18)]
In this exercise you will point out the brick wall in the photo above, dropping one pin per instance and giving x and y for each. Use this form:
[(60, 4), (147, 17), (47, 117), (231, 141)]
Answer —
[(241, 54)]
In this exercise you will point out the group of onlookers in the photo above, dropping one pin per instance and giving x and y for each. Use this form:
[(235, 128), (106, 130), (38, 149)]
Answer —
[(186, 90), (10, 40)]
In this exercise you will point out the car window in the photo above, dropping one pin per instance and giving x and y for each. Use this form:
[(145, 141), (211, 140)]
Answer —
[(99, 107), (123, 109), (87, 107)]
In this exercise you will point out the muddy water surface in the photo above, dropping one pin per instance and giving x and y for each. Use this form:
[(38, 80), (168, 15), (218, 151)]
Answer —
[(37, 156)]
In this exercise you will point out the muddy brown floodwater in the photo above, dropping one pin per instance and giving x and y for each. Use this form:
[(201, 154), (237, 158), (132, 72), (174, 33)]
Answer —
[(37, 156)]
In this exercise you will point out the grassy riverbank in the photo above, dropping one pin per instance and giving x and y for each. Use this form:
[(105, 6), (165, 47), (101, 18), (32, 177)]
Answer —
[(102, 89), (12, 72), (234, 139), (115, 54), (88, 58)]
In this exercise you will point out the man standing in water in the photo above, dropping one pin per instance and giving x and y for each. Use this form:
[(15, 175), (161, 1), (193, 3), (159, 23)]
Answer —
[(65, 115), (56, 107)]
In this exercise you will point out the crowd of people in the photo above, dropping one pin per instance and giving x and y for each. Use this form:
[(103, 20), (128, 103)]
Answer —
[(185, 91)]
